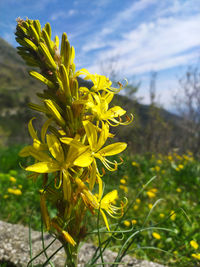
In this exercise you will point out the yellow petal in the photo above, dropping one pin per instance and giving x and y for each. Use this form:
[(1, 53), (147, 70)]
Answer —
[(93, 175), (32, 130), (115, 112), (103, 136), (44, 129), (67, 188), (72, 142), (109, 198), (43, 167), (113, 149), (105, 219), (85, 159), (91, 133), (54, 111), (55, 147)]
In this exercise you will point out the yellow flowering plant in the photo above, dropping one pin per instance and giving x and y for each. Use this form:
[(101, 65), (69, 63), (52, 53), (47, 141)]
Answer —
[(71, 143)]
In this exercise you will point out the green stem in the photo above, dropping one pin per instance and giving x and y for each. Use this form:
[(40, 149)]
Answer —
[(72, 256)]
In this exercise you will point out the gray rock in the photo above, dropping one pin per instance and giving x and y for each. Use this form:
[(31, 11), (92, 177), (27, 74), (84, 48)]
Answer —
[(14, 248)]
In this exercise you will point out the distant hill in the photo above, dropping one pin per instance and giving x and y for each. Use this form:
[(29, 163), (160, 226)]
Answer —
[(17, 88)]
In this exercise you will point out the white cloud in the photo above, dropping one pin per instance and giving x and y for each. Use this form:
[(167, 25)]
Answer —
[(63, 14), (157, 45)]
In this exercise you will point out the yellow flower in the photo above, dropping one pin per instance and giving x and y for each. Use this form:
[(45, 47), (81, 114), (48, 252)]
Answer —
[(154, 190), (106, 204), (177, 169), (180, 166), (196, 256), (135, 164), (163, 171), (157, 168), (94, 149), (170, 158), (12, 179), (5, 196), (151, 194), (173, 215), (135, 207), (162, 215), (122, 181), (159, 161), (127, 223), (138, 200), (16, 192), (150, 206), (178, 190), (156, 235), (194, 244), (124, 188), (133, 221), (20, 186)]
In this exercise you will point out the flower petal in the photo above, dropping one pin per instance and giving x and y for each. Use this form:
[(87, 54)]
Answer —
[(112, 149), (55, 147), (43, 167)]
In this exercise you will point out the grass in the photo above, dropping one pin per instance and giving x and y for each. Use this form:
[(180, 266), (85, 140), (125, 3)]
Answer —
[(170, 201)]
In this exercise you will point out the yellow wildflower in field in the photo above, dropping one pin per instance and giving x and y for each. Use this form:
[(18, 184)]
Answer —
[(194, 244), (134, 221), (196, 256), (13, 179), (16, 192), (162, 215), (156, 235), (159, 161), (163, 171), (135, 207), (124, 188), (151, 194), (157, 168), (135, 164), (173, 215), (20, 186), (170, 158), (180, 166), (150, 206), (122, 181), (178, 190), (138, 200), (5, 196), (127, 223)]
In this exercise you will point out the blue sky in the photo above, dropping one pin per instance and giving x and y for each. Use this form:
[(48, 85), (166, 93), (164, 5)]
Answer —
[(133, 37)]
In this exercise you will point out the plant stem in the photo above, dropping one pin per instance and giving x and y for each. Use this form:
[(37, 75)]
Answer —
[(72, 256)]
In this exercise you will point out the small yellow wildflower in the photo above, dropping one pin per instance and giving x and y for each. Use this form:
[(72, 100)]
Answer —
[(163, 171), (134, 221), (175, 252), (194, 244), (17, 192), (12, 179), (156, 235), (135, 164), (154, 190), (152, 169), (180, 166), (178, 190), (135, 207), (162, 215), (150, 206), (173, 215), (127, 223), (157, 168), (122, 181), (159, 161), (196, 256), (138, 200), (124, 188), (20, 186), (151, 194), (170, 158), (177, 169), (5, 196)]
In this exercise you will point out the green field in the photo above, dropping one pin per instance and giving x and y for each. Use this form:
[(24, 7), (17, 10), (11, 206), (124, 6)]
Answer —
[(162, 190)]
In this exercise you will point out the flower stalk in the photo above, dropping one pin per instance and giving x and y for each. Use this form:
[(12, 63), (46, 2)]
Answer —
[(72, 139)]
